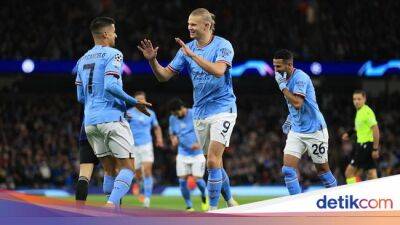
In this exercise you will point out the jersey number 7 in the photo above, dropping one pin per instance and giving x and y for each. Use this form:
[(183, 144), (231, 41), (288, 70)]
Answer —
[(89, 67)]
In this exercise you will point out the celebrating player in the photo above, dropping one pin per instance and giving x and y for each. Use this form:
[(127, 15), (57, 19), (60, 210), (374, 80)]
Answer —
[(208, 59), (190, 159), (307, 130), (100, 89), (141, 127), (367, 148)]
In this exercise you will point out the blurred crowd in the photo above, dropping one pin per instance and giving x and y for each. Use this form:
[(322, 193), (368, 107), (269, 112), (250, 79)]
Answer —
[(39, 132), (313, 29)]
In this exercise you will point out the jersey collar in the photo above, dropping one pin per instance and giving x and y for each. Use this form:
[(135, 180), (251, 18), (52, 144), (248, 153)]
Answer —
[(294, 71), (201, 47)]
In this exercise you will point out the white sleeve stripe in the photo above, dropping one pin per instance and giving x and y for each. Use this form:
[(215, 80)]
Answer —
[(298, 93), (224, 61), (172, 68)]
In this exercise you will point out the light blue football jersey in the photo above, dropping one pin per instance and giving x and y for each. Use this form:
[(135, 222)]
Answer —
[(141, 126), (308, 119), (100, 65), (183, 128), (211, 95)]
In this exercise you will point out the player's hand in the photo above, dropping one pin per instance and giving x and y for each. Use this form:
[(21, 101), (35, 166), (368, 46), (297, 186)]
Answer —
[(375, 154), (281, 80), (146, 47), (141, 106), (345, 137), (174, 141), (286, 126), (160, 143), (195, 146), (185, 49)]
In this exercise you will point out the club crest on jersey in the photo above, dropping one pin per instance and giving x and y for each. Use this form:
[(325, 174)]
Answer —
[(117, 60), (225, 52)]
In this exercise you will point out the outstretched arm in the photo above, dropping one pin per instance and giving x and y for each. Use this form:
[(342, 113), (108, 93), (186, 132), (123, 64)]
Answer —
[(111, 86), (215, 68), (162, 74)]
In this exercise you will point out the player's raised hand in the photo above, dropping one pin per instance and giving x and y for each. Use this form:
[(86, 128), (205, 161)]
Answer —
[(141, 106), (146, 47), (281, 80), (185, 49)]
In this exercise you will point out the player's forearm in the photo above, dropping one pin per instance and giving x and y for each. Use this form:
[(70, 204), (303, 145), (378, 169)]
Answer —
[(174, 141), (158, 133), (80, 94), (296, 101), (162, 74), (376, 136), (216, 69), (116, 90)]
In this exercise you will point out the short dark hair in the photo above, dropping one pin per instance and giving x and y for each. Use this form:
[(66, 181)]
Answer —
[(139, 93), (362, 92), (99, 23), (284, 54), (175, 104)]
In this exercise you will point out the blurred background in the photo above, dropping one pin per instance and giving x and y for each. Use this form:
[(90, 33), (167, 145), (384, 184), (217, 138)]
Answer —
[(342, 45)]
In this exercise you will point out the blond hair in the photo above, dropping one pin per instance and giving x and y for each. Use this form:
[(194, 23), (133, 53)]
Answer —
[(205, 15)]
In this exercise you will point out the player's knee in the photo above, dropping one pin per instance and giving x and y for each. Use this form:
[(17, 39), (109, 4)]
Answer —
[(213, 162), (289, 172)]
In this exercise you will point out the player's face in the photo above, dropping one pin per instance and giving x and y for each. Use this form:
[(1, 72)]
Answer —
[(110, 35), (197, 26), (140, 97), (358, 100), (281, 66), (179, 113)]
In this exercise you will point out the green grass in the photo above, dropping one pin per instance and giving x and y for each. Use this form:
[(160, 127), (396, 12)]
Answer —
[(172, 203)]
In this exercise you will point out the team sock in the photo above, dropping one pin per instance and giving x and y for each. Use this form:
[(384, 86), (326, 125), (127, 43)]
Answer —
[(185, 192), (214, 185), (121, 185), (291, 180), (328, 179)]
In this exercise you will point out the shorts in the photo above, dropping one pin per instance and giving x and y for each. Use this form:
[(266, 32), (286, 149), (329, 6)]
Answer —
[(143, 153), (316, 144), (218, 128), (113, 138), (86, 153), (362, 156), (190, 165)]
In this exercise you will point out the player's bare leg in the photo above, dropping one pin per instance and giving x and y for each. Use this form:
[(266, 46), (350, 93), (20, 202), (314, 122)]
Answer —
[(352, 173), (147, 168), (137, 185), (85, 173), (372, 174), (325, 174), (290, 171)]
